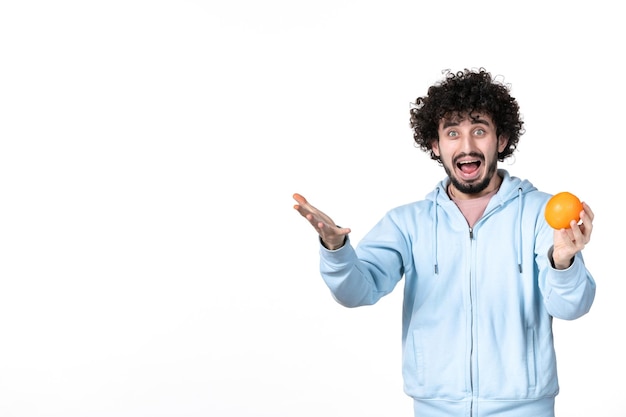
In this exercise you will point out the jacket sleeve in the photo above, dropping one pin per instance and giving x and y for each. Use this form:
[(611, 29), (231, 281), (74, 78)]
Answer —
[(362, 276), (568, 293)]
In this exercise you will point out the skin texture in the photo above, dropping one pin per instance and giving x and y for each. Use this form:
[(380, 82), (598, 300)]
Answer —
[(469, 141), (469, 120), (567, 242), (333, 237)]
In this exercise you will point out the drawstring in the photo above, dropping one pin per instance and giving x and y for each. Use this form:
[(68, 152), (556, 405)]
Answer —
[(519, 221), (519, 232), (435, 231)]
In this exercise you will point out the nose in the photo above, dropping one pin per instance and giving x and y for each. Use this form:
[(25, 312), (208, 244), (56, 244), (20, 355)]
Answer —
[(467, 142)]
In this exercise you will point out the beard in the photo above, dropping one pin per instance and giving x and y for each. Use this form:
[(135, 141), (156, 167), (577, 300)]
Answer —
[(473, 188)]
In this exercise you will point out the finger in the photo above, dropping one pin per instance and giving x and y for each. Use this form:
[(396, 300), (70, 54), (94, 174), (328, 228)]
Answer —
[(567, 235), (301, 202), (587, 212), (586, 217), (581, 235), (586, 227), (299, 198), (303, 205), (577, 234), (315, 221)]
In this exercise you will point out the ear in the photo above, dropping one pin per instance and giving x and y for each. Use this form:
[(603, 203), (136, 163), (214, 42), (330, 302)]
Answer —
[(434, 145), (503, 141)]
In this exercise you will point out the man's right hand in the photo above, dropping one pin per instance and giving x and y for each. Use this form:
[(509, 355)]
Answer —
[(333, 237)]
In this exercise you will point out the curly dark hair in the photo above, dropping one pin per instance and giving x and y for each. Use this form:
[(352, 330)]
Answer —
[(464, 93)]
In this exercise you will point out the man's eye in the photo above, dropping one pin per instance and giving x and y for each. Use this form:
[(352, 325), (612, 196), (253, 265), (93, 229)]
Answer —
[(479, 132), (453, 133)]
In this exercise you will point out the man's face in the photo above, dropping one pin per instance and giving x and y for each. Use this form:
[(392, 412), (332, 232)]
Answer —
[(468, 148)]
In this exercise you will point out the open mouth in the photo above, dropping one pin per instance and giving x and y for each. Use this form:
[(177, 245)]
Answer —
[(469, 167)]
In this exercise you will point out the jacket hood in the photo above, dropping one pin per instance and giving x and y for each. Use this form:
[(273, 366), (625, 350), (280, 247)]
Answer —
[(511, 188)]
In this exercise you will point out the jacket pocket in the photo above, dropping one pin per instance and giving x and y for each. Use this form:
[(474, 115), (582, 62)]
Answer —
[(531, 358), (434, 364), (418, 350)]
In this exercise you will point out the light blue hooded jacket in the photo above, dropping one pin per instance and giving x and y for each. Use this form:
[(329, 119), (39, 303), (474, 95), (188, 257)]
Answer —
[(478, 303)]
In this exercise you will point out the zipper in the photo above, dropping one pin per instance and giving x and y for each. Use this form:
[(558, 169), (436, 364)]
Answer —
[(471, 304)]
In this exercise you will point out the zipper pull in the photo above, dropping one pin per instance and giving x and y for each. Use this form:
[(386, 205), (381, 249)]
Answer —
[(471, 233)]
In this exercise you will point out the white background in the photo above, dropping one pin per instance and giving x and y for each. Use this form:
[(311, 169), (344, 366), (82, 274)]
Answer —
[(151, 263)]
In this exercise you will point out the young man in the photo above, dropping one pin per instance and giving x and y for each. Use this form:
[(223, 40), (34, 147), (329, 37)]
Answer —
[(484, 273)]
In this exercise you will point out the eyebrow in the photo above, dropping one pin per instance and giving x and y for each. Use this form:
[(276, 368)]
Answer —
[(477, 121)]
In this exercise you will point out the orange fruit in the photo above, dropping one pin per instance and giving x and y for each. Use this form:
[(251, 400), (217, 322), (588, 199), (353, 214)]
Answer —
[(561, 209)]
